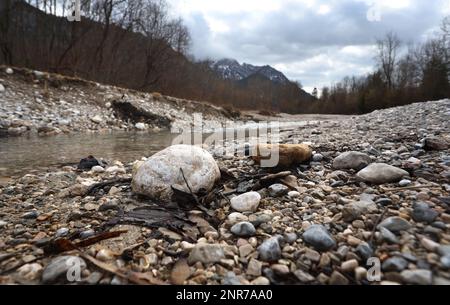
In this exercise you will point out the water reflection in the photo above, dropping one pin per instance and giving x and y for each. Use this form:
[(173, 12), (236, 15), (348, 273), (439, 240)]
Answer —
[(20, 154)]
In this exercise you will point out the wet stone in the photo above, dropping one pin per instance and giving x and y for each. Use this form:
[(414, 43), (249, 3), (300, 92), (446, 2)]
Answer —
[(318, 237), (243, 229), (395, 224), (270, 250), (423, 213)]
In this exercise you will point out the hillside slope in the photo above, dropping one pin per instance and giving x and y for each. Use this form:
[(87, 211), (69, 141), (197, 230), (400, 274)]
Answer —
[(33, 101)]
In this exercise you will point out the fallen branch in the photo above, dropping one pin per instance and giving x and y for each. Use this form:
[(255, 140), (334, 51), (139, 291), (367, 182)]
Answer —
[(63, 244), (380, 218), (410, 188), (101, 185)]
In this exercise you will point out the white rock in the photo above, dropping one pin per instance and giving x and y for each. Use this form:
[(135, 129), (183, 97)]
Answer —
[(30, 271), (97, 119), (247, 202), (293, 194), (140, 126), (236, 217), (9, 71), (116, 170), (379, 173), (38, 74), (155, 177), (97, 169), (2, 88), (3, 223)]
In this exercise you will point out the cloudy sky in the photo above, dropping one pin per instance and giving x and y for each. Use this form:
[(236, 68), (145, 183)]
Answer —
[(316, 42)]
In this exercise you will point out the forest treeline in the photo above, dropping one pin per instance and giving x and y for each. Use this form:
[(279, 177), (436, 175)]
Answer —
[(138, 44), (130, 43), (403, 75)]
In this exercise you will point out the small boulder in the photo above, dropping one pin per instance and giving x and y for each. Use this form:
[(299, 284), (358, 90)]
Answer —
[(319, 237), (351, 160), (270, 250), (161, 171), (379, 173)]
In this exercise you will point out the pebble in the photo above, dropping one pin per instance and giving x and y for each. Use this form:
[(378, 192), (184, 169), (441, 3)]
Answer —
[(404, 182), (245, 250), (423, 213), (254, 267), (445, 261), (236, 217), (30, 215), (247, 202), (444, 250), (290, 237), (350, 265), (293, 194), (87, 234), (261, 280), (379, 173), (351, 160), (394, 264), (355, 210), (317, 157), (243, 229), (3, 223), (277, 190), (395, 224), (59, 267), (97, 169), (303, 276), (338, 279), (270, 250), (318, 237), (30, 271), (206, 253), (9, 71), (280, 269), (388, 236), (61, 232), (364, 251), (417, 277)]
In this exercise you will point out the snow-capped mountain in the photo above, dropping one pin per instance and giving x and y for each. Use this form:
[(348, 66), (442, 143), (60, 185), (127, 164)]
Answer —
[(231, 69)]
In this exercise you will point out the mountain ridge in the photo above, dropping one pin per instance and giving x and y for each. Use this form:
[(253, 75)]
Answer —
[(231, 69)]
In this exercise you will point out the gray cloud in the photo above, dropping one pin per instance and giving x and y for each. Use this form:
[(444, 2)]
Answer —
[(316, 49)]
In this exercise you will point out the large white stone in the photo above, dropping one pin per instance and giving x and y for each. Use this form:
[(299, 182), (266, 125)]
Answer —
[(155, 177)]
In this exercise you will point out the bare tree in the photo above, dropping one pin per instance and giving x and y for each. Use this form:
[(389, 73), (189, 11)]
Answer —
[(387, 56)]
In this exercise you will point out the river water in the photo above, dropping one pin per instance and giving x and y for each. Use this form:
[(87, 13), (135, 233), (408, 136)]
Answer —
[(29, 153)]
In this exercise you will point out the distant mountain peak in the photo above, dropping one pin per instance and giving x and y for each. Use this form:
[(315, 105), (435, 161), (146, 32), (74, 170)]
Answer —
[(231, 69)]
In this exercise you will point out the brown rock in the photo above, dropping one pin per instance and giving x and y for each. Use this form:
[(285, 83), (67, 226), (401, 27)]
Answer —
[(289, 154), (180, 272)]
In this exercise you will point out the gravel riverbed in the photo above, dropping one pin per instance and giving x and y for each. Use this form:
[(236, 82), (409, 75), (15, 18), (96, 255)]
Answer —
[(319, 222)]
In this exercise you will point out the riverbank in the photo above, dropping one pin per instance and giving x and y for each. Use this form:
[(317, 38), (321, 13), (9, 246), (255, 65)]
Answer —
[(34, 102), (404, 223)]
